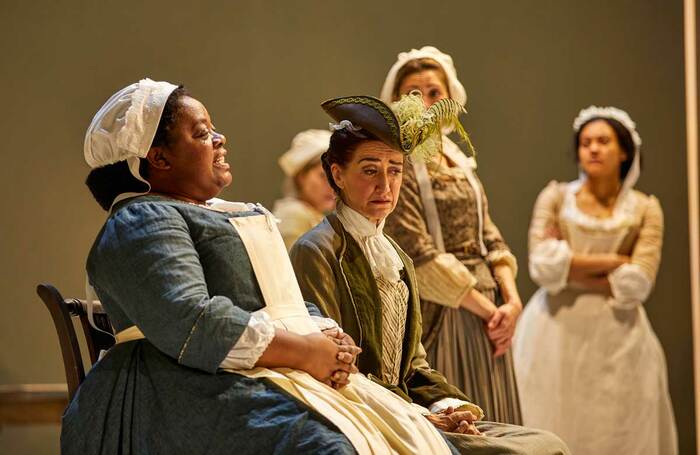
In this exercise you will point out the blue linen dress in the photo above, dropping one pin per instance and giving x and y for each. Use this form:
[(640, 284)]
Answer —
[(181, 274)]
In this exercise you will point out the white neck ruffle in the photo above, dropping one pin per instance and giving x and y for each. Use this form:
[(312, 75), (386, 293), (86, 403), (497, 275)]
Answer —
[(380, 253), (623, 216)]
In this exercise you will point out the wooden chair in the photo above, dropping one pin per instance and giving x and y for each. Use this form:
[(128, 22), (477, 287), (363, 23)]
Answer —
[(62, 312)]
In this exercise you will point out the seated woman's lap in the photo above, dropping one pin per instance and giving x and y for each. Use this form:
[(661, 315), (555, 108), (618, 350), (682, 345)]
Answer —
[(183, 410)]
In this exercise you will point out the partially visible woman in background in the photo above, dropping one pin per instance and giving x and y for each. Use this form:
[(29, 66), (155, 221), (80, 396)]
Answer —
[(307, 195), (464, 268), (589, 365)]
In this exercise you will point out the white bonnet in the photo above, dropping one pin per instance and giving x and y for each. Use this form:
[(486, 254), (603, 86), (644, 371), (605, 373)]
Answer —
[(125, 125), (591, 112), (306, 146), (457, 91)]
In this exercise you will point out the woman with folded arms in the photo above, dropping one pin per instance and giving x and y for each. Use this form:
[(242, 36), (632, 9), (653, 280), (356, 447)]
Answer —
[(589, 365)]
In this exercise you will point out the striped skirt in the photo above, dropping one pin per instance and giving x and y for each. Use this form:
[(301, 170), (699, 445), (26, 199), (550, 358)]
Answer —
[(463, 353)]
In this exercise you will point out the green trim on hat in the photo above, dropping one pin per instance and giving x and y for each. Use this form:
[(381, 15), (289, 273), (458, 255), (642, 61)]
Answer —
[(387, 131)]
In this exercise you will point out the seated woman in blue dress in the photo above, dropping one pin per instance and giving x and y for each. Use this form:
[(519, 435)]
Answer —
[(362, 279), (216, 350)]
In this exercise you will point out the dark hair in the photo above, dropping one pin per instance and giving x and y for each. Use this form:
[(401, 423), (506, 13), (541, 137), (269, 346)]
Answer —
[(416, 66), (107, 182), (624, 138), (340, 148), (168, 117)]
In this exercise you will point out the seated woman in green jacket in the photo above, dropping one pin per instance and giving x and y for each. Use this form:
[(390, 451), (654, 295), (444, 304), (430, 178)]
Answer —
[(363, 280)]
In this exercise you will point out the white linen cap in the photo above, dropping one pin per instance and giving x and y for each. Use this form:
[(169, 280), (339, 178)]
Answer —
[(457, 91), (592, 112), (306, 146), (125, 125)]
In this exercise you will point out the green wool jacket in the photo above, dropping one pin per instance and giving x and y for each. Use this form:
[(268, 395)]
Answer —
[(334, 274)]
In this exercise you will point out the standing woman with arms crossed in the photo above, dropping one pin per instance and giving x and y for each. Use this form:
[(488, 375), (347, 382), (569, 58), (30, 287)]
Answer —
[(589, 364), (465, 271)]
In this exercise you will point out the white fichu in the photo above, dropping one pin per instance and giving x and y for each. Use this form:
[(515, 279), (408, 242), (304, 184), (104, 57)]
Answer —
[(421, 128)]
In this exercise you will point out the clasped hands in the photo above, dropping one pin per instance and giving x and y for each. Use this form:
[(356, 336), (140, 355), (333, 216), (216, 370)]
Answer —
[(453, 421), (500, 328), (331, 357)]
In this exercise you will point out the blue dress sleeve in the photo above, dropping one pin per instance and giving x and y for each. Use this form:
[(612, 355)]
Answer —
[(313, 310), (146, 262)]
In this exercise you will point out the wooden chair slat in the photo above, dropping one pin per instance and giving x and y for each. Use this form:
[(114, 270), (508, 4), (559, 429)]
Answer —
[(62, 311)]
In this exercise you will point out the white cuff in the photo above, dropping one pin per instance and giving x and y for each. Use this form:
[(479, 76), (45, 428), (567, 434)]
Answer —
[(250, 346), (325, 323), (549, 264), (457, 404), (497, 257), (630, 286)]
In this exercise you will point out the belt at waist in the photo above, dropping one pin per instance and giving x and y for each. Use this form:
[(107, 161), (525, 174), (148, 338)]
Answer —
[(129, 334)]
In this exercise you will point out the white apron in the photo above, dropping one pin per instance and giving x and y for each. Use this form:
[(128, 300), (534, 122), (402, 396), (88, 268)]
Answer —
[(374, 419), (593, 374)]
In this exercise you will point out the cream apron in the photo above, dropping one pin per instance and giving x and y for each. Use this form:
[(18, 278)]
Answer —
[(375, 420), (591, 373)]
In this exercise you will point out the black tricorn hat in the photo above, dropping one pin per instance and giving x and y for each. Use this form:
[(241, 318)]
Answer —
[(370, 114)]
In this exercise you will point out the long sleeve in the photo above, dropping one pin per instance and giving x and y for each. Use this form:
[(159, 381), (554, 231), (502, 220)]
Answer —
[(258, 335), (146, 263), (631, 283), (425, 384), (647, 250), (549, 258), (442, 278)]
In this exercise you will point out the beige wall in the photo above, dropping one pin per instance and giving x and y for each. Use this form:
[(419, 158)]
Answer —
[(262, 68)]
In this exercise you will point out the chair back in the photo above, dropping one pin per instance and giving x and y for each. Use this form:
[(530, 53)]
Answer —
[(62, 312)]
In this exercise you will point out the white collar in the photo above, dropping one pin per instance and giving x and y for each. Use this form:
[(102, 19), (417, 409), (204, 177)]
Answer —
[(380, 253), (623, 212)]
